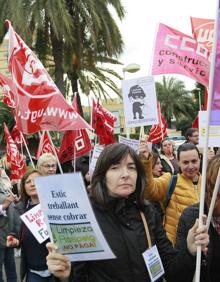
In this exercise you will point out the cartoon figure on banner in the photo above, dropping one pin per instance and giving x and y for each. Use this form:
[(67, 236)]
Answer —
[(136, 96)]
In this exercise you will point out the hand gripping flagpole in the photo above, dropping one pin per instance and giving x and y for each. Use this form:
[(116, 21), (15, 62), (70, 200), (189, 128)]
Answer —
[(205, 153)]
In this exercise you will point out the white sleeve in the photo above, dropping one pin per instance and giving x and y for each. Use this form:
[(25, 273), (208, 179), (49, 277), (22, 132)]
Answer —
[(2, 212)]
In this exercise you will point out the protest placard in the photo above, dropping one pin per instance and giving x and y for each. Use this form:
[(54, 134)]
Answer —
[(70, 219), (96, 152), (34, 220), (133, 143), (140, 102)]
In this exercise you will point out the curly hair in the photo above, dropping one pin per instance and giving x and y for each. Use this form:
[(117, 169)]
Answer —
[(211, 175)]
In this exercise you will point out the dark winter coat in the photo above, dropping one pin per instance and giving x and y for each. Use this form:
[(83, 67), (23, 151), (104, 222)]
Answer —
[(124, 231), (35, 257), (210, 270)]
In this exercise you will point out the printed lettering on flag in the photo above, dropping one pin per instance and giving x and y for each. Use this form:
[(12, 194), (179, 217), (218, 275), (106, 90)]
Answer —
[(39, 103), (18, 166), (75, 143), (45, 146), (203, 31), (176, 52)]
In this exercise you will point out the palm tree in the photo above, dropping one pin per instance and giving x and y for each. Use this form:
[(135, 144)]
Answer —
[(175, 100), (70, 37)]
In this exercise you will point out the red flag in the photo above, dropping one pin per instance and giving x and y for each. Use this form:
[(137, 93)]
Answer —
[(45, 146), (75, 143), (203, 31), (18, 166), (103, 123), (8, 90), (39, 103), (176, 52), (16, 136), (158, 132)]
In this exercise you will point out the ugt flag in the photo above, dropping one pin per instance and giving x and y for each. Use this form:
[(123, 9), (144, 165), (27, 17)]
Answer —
[(75, 142), (203, 31), (176, 52), (8, 90), (18, 166), (39, 103)]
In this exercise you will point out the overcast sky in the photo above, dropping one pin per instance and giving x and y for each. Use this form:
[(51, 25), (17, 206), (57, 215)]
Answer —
[(140, 25), (142, 18)]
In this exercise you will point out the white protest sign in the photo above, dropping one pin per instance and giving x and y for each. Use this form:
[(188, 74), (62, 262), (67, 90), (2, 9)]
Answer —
[(140, 101), (70, 219), (95, 155), (34, 220), (133, 143), (214, 132)]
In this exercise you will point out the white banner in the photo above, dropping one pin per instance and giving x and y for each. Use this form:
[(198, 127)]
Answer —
[(214, 132), (70, 219), (96, 152)]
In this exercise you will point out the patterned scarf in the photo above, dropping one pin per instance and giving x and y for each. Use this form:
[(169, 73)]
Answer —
[(216, 224)]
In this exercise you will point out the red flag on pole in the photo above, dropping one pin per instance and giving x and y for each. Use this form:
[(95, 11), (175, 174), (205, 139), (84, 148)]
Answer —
[(39, 103), (45, 146), (16, 136), (103, 123), (18, 166), (75, 143), (158, 132), (8, 90)]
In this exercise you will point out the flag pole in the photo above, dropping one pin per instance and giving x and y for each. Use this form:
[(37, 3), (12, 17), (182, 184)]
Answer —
[(25, 144), (55, 153), (214, 196), (205, 152)]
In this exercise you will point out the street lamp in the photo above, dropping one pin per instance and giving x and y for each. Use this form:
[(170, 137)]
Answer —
[(132, 68)]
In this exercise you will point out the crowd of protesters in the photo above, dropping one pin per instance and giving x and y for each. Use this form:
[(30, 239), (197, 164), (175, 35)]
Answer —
[(128, 191)]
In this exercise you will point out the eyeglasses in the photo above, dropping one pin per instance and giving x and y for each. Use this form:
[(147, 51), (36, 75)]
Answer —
[(50, 166)]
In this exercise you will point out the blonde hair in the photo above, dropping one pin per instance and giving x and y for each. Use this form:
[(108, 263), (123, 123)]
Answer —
[(44, 158)]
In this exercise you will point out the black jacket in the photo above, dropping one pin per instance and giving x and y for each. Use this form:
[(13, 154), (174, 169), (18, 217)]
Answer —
[(33, 254), (123, 229), (210, 270)]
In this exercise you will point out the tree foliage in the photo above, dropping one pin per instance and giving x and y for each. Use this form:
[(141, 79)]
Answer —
[(175, 100)]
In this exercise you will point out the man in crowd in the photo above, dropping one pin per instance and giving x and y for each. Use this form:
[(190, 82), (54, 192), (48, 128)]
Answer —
[(186, 190)]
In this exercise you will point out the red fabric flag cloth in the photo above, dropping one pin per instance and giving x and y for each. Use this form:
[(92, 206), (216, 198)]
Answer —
[(18, 166), (75, 143), (176, 52), (158, 132), (16, 136), (45, 146), (103, 123), (39, 103), (203, 31), (8, 90), (195, 123)]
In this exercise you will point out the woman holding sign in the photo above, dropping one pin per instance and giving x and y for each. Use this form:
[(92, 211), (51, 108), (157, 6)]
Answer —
[(132, 228), (33, 254)]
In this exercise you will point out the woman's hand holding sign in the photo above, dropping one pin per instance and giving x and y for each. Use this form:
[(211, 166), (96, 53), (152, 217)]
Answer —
[(59, 265)]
